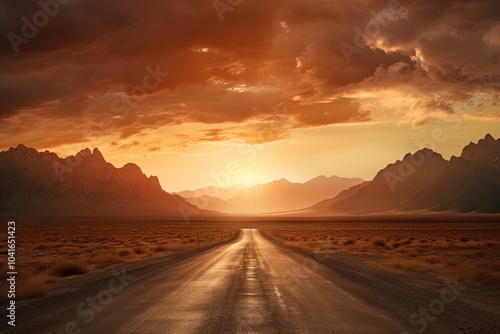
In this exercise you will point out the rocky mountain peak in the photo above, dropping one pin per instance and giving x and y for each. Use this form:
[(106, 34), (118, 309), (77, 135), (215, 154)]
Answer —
[(489, 137), (37, 182), (131, 168), (485, 151), (96, 153)]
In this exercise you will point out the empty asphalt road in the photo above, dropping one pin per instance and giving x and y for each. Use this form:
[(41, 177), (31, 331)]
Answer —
[(250, 285)]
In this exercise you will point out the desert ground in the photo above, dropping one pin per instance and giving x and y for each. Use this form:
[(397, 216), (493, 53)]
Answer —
[(267, 275), (466, 251), (51, 249)]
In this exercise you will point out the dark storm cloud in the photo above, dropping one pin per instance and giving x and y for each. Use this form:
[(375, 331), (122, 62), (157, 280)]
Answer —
[(264, 53)]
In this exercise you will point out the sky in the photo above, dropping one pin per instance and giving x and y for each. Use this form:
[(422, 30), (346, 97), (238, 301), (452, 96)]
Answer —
[(227, 91)]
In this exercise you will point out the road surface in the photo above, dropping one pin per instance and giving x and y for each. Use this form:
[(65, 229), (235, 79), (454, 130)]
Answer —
[(250, 285)]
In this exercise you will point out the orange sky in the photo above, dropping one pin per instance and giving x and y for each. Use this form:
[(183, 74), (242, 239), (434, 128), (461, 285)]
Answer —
[(273, 89)]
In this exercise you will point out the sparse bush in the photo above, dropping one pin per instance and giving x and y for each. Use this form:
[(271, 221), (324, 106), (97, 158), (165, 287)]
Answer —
[(160, 248), (124, 252), (65, 269), (43, 266), (139, 250), (348, 242), (480, 253)]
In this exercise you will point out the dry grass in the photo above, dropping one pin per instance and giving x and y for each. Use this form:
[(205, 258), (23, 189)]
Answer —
[(465, 251), (65, 269), (49, 252)]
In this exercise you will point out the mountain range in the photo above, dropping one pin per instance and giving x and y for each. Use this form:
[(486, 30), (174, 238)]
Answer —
[(277, 196), (33, 182), (212, 191), (426, 181)]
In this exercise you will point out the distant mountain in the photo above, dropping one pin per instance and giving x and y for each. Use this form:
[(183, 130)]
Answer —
[(43, 183), (426, 181), (325, 204), (279, 195), (212, 203), (212, 191)]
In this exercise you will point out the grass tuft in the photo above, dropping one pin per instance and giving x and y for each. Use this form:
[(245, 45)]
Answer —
[(66, 269)]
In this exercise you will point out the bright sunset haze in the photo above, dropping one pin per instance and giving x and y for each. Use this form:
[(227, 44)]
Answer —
[(291, 89)]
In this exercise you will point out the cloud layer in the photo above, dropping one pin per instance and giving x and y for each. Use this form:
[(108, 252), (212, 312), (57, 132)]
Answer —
[(90, 70)]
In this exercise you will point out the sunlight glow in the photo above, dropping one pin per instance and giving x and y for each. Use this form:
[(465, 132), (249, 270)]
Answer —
[(247, 179)]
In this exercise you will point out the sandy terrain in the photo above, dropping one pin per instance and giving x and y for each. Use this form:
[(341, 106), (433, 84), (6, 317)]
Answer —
[(467, 251), (254, 285), (49, 250)]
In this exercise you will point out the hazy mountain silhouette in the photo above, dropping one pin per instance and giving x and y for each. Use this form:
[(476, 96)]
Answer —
[(42, 182), (212, 203), (279, 195), (325, 204), (426, 181), (212, 191), (33, 182)]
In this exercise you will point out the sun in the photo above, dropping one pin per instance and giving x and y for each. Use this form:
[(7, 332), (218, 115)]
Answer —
[(247, 179)]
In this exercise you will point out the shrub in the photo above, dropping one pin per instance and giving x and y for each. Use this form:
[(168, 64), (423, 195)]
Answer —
[(159, 248), (348, 242), (124, 252), (139, 250), (65, 269)]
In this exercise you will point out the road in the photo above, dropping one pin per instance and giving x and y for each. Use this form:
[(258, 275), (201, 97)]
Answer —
[(250, 285)]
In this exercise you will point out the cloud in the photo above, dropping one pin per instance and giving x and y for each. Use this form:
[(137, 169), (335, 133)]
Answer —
[(341, 110), (253, 133), (452, 40), (440, 57)]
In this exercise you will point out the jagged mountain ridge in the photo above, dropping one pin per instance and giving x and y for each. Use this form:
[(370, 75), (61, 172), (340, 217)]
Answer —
[(42, 182), (470, 182), (426, 181)]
